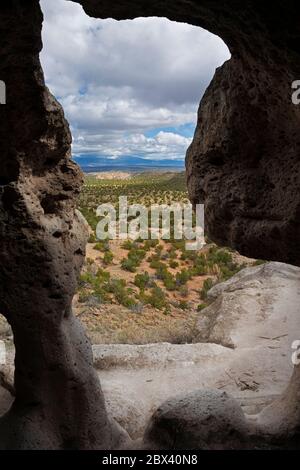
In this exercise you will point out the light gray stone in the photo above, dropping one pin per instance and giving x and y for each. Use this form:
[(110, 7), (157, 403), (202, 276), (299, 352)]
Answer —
[(204, 419)]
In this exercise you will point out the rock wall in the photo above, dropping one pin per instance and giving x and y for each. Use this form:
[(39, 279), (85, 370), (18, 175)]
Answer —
[(243, 163), (59, 403)]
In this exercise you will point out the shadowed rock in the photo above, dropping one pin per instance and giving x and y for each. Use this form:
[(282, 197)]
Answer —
[(59, 403), (243, 164), (206, 419)]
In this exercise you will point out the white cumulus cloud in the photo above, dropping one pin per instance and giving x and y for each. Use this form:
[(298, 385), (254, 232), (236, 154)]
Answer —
[(119, 80)]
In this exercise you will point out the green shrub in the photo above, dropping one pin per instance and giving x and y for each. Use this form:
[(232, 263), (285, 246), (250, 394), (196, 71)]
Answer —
[(258, 262), (121, 293), (167, 310), (103, 276), (92, 238), (169, 282), (127, 245), (142, 280), (187, 255), (207, 285), (129, 265), (174, 264), (134, 259), (102, 245), (182, 277), (150, 244), (172, 253), (219, 256), (87, 278), (199, 266), (183, 291), (101, 294), (156, 263), (226, 272), (201, 307), (108, 257), (83, 295), (179, 245), (157, 299)]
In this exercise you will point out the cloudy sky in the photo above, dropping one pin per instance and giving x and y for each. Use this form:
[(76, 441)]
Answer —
[(129, 87)]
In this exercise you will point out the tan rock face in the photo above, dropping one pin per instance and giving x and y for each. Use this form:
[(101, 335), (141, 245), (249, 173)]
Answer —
[(243, 163)]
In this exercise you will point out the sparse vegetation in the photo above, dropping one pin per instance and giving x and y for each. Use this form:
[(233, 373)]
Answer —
[(146, 290), (207, 285)]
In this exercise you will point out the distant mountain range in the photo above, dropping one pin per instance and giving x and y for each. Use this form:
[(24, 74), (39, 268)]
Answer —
[(92, 163)]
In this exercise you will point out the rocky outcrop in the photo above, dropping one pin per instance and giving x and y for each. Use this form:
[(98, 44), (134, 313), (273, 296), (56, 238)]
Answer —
[(243, 163), (258, 303)]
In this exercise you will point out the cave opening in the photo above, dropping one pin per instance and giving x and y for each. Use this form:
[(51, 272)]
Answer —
[(53, 354), (105, 95)]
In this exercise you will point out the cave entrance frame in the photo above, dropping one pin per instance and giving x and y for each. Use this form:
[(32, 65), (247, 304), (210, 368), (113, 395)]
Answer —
[(59, 403)]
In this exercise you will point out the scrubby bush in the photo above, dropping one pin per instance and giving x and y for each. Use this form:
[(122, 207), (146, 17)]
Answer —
[(226, 272), (173, 264), (219, 256), (101, 294), (169, 282), (158, 249), (108, 257), (148, 244), (142, 280), (179, 244), (127, 245), (187, 255), (121, 293), (87, 278), (128, 265), (201, 307), (102, 245), (134, 259), (92, 238), (102, 275), (182, 277), (155, 263), (157, 298), (258, 262), (183, 291), (172, 253), (207, 285), (199, 265)]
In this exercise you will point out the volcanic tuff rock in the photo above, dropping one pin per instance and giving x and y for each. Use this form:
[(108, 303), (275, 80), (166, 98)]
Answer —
[(243, 163)]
